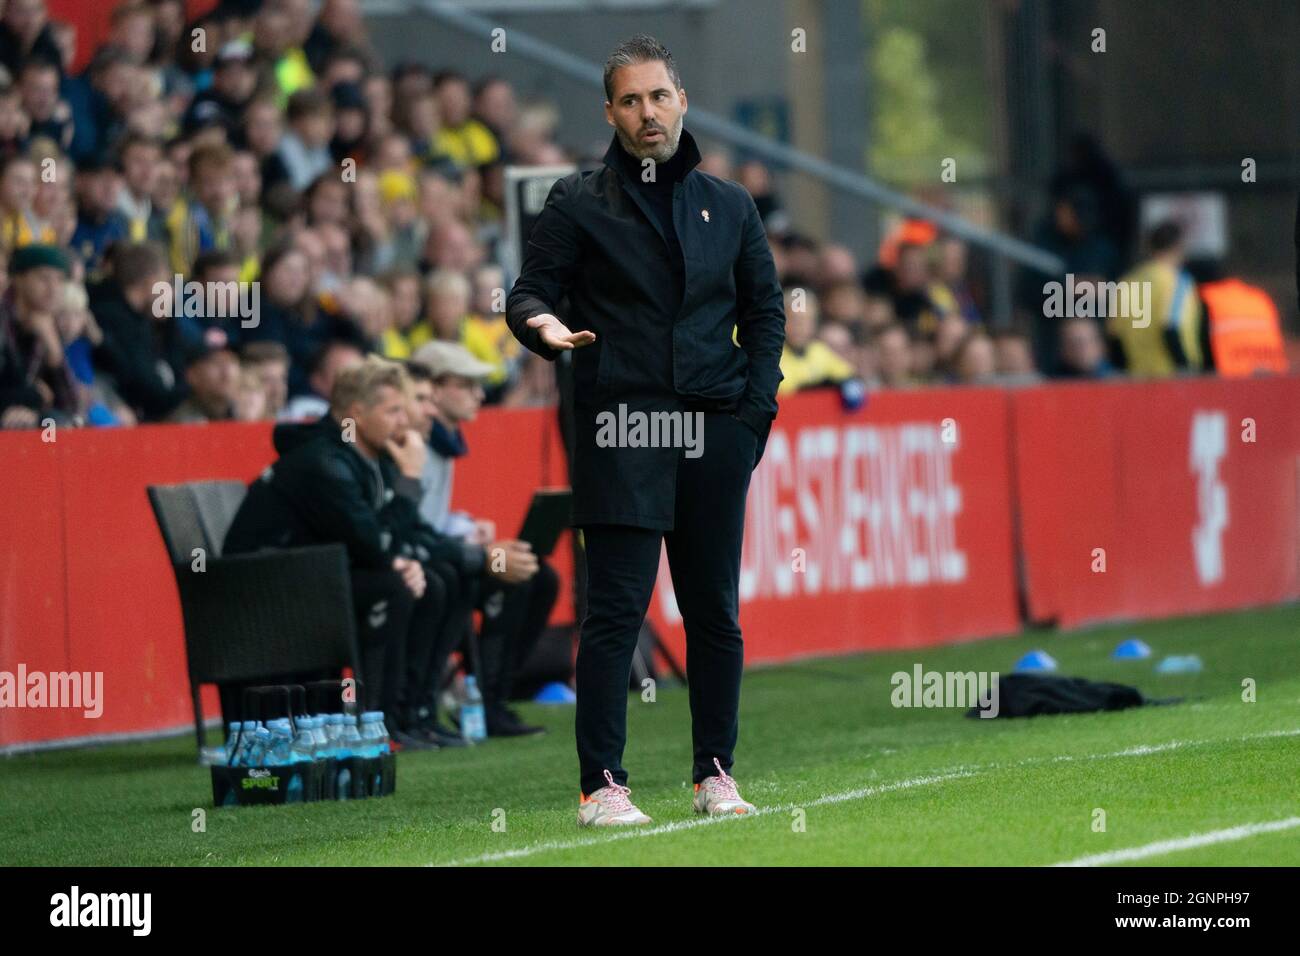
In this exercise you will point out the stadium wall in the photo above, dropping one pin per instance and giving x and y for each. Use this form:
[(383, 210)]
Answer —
[(901, 524)]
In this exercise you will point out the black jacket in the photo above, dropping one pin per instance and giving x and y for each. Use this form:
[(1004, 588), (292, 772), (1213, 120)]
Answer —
[(322, 491), (659, 346), (144, 357)]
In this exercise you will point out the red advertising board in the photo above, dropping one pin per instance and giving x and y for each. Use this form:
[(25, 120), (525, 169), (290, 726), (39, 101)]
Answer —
[(1156, 499)]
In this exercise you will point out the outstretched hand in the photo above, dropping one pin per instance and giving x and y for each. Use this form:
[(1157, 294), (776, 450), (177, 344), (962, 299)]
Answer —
[(557, 335)]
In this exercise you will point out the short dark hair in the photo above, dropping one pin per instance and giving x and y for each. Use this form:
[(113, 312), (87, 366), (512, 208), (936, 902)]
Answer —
[(264, 352), (1164, 236), (213, 259), (640, 48), (133, 262), (419, 372)]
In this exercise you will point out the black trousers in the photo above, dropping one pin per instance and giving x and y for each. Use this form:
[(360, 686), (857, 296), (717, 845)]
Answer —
[(401, 636), (704, 557)]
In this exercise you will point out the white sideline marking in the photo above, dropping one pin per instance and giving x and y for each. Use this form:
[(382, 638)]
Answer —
[(1182, 843), (943, 776)]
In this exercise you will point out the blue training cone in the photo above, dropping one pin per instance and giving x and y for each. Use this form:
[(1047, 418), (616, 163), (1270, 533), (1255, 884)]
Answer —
[(555, 693), (1036, 661), (1131, 650)]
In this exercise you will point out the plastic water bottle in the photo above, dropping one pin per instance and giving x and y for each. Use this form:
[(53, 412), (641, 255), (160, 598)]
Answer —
[(333, 727), (373, 735), (304, 742), (349, 745), (321, 746), (278, 750), (349, 742), (232, 740), (248, 754), (257, 750), (473, 724)]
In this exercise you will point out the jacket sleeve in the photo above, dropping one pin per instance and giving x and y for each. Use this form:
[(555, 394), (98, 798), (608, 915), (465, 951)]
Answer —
[(419, 539), (551, 261), (760, 325)]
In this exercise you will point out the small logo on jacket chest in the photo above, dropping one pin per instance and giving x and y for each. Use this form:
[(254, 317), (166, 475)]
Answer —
[(704, 213)]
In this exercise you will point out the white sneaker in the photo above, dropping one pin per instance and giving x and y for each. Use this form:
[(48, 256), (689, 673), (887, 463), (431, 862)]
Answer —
[(609, 807), (714, 795)]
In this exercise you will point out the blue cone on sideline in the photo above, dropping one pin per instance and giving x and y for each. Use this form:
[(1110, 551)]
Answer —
[(555, 693), (1036, 661), (1131, 650)]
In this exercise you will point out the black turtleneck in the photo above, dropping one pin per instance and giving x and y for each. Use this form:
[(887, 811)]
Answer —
[(658, 195)]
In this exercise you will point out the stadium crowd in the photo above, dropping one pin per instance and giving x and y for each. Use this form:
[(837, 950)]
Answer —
[(263, 147)]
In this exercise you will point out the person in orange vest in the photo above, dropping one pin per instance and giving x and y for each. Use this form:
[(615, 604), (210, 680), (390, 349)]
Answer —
[(1245, 332)]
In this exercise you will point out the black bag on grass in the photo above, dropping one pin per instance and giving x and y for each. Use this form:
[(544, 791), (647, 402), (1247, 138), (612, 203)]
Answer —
[(1025, 695)]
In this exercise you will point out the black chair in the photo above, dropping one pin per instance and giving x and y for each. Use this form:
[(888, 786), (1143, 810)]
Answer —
[(251, 618)]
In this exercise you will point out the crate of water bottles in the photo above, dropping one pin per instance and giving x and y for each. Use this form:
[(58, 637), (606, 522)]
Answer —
[(286, 754)]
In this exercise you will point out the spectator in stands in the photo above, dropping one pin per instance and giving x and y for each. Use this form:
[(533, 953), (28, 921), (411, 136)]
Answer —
[(26, 34), (268, 364), (447, 297), (142, 351), (19, 223), (974, 360), (338, 27), (1167, 337), (950, 290), (14, 123), (844, 302), (138, 161), (448, 387), (202, 222), (330, 359), (305, 146), (49, 115), (291, 315), (893, 348), (407, 333), (234, 81), (1015, 358), (212, 376), (351, 124), (34, 378), (495, 107), (460, 137), (97, 186), (1083, 351), (807, 362), (951, 330), (353, 478), (486, 334), (912, 303)]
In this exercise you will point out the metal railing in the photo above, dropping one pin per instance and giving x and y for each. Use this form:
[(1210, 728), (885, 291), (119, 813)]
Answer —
[(1004, 249)]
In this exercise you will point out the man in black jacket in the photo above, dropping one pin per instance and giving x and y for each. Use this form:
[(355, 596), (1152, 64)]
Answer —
[(659, 263), (353, 478)]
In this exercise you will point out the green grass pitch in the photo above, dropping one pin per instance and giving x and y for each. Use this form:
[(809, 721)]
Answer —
[(839, 774)]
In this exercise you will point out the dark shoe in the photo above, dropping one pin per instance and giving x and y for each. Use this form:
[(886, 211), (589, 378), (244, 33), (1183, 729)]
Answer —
[(501, 723), (434, 733), (446, 738)]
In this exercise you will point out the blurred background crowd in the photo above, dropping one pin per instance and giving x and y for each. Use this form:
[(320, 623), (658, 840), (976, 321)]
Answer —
[(358, 207)]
